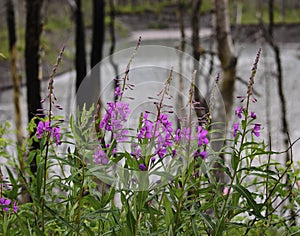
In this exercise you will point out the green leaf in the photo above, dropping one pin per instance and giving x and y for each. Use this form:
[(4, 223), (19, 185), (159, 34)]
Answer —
[(169, 212), (251, 202), (108, 196), (56, 215), (234, 161), (207, 220), (39, 179), (141, 199), (130, 222), (219, 227)]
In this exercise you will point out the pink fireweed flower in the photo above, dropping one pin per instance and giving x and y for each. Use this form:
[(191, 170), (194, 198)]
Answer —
[(142, 167), (202, 154), (45, 127), (227, 191), (167, 124), (116, 114), (235, 129), (42, 127), (256, 130), (15, 207), (174, 153), (146, 130), (185, 134), (118, 92), (239, 112), (5, 202), (177, 137), (159, 131), (202, 139), (55, 134), (253, 115), (100, 156)]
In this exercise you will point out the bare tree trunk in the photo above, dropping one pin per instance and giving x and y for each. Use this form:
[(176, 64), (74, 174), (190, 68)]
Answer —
[(32, 46), (228, 63), (225, 52), (112, 14), (13, 55), (98, 31), (96, 55), (200, 101), (80, 57), (82, 98), (180, 105)]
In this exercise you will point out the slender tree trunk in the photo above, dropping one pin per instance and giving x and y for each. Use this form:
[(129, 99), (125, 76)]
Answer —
[(180, 105), (200, 101), (112, 32), (13, 55), (228, 64), (225, 52), (80, 57), (98, 31), (82, 98), (96, 55), (32, 46)]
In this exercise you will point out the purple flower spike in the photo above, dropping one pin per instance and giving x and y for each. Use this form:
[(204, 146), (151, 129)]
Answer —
[(116, 114), (45, 127), (203, 154), (202, 139), (177, 135), (142, 167), (15, 207), (100, 157), (253, 115), (40, 129), (4, 202), (235, 129), (256, 130), (55, 133), (118, 92), (174, 153), (239, 112)]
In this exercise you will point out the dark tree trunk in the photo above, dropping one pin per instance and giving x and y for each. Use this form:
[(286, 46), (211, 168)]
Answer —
[(80, 60), (180, 106), (112, 15), (32, 44), (200, 101), (97, 55), (98, 31), (13, 55)]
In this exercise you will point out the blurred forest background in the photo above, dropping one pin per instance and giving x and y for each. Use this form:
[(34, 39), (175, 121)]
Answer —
[(32, 32), (58, 19)]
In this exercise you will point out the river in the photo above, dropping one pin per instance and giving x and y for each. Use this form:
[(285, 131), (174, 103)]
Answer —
[(150, 69)]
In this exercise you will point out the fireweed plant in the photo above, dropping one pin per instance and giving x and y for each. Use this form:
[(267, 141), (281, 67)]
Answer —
[(102, 176)]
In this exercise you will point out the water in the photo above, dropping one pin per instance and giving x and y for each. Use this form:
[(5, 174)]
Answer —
[(150, 70)]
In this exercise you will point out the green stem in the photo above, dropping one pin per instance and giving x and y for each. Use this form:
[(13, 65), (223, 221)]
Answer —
[(81, 163)]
